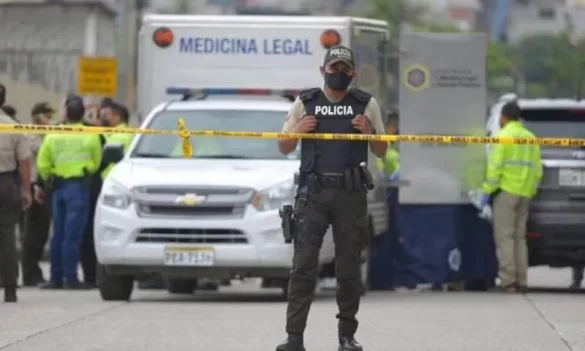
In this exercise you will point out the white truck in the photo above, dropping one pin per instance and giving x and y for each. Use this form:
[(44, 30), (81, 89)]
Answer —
[(215, 215)]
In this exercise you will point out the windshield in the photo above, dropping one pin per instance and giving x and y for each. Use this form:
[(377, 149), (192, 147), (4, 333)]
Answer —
[(169, 146), (555, 123)]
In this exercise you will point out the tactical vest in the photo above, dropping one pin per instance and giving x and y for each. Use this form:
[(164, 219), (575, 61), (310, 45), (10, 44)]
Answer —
[(333, 156)]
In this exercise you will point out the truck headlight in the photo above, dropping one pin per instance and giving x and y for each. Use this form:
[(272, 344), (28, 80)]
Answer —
[(274, 197), (116, 196)]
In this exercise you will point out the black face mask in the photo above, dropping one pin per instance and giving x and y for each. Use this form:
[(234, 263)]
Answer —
[(105, 123), (338, 80)]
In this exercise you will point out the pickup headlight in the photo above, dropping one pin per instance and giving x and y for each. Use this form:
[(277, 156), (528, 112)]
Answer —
[(116, 196), (274, 197)]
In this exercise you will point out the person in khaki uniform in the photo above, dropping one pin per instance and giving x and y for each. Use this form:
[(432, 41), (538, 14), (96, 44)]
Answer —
[(331, 191), (38, 216), (513, 176), (14, 154)]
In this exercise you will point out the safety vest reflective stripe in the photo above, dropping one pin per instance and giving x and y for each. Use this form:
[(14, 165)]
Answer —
[(517, 163), (59, 159)]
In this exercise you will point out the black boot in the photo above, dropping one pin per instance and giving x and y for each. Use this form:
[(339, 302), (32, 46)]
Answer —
[(348, 343), (292, 343), (10, 294)]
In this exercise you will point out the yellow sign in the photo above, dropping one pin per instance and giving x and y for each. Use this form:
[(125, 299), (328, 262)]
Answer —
[(97, 76), (416, 77)]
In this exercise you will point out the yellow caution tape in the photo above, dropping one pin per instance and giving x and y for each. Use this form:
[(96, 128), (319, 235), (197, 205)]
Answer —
[(185, 134)]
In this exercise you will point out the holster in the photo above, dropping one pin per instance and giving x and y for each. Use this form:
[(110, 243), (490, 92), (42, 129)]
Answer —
[(288, 223), (357, 179)]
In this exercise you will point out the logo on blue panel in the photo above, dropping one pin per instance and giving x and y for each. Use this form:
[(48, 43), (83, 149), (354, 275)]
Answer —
[(454, 260)]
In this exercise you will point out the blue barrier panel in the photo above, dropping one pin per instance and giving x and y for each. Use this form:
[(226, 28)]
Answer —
[(433, 244), (479, 266), (428, 251), (383, 252)]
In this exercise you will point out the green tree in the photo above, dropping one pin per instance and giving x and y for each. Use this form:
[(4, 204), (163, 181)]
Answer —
[(396, 12), (552, 62), (501, 69)]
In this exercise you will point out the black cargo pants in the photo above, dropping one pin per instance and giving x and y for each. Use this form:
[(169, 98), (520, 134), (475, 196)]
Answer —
[(346, 212), (34, 238), (10, 212)]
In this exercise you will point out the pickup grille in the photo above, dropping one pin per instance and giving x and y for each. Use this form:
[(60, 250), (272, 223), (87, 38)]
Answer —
[(163, 211), (191, 236), (164, 202)]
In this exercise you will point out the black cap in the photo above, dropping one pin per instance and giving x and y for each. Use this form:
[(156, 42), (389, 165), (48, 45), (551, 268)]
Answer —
[(2, 94), (106, 102), (9, 110), (42, 108), (75, 109), (72, 97), (339, 53)]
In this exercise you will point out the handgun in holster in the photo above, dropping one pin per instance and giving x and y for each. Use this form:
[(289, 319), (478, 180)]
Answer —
[(366, 176), (288, 223)]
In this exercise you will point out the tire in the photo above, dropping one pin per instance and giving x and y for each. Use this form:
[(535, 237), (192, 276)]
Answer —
[(181, 286), (114, 287)]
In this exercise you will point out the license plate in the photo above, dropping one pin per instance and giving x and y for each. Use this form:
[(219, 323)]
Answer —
[(189, 256), (571, 177)]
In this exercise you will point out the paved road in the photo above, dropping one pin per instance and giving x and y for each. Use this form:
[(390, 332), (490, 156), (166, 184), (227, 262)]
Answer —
[(243, 318)]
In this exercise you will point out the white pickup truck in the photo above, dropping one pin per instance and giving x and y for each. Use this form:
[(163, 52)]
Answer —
[(214, 215)]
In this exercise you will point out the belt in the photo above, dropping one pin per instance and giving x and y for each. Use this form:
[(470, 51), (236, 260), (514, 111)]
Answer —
[(69, 179), (331, 181)]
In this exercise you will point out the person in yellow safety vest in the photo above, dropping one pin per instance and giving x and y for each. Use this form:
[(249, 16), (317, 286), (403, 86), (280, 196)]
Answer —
[(390, 163), (118, 118), (65, 164), (513, 176)]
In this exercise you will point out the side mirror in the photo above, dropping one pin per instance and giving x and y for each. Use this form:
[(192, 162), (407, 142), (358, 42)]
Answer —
[(113, 153)]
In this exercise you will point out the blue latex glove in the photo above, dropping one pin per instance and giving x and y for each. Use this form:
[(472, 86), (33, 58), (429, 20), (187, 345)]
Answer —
[(394, 176), (484, 201)]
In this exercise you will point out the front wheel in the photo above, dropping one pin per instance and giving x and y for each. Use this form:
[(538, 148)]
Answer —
[(114, 287)]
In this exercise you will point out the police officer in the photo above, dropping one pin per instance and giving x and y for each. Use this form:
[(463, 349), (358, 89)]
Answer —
[(390, 163), (38, 216), (117, 117), (331, 192), (14, 153), (66, 162), (513, 175), (88, 257)]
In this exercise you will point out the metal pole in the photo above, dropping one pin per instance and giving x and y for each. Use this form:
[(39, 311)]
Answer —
[(131, 39), (122, 48)]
